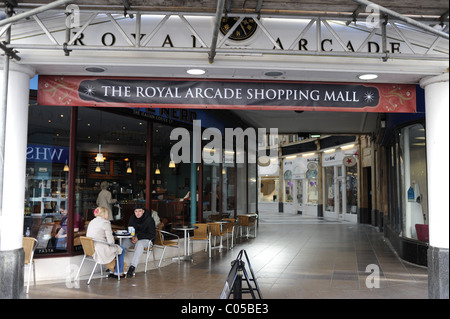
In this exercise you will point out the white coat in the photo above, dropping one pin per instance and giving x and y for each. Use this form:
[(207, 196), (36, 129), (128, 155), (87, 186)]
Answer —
[(100, 229)]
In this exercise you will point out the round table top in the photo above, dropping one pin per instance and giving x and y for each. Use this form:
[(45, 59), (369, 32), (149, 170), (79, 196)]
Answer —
[(122, 235), (184, 227)]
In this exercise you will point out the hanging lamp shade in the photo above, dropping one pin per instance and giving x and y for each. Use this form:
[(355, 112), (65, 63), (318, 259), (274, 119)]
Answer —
[(66, 167), (157, 171), (129, 170), (99, 158)]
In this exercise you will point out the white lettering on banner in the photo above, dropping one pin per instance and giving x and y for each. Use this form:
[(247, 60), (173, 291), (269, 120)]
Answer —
[(349, 96), (230, 93)]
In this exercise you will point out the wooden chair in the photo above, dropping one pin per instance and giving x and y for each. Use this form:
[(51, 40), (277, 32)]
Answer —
[(162, 242), (29, 246), (216, 230), (89, 249), (202, 234)]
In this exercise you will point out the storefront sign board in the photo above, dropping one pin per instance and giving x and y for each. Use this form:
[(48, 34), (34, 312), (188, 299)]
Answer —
[(226, 94)]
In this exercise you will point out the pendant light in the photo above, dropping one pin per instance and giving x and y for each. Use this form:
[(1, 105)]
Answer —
[(98, 169), (66, 167), (171, 163), (157, 171), (99, 157), (129, 170)]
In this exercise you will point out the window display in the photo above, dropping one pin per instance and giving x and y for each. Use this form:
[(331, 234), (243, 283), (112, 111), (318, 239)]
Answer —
[(412, 152)]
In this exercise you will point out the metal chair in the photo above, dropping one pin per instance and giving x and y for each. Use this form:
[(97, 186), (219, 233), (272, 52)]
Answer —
[(147, 251), (247, 222), (216, 230), (29, 246), (202, 234), (89, 250), (230, 228), (161, 242)]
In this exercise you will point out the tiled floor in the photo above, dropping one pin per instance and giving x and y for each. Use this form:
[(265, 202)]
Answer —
[(292, 257)]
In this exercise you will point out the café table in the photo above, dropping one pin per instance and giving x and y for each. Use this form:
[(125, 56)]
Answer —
[(120, 237), (186, 230)]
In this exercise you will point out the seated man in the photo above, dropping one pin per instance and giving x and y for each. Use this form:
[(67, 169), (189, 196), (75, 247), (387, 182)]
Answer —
[(145, 231)]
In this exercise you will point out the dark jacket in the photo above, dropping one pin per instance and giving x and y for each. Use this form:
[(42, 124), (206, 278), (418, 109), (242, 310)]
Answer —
[(144, 226)]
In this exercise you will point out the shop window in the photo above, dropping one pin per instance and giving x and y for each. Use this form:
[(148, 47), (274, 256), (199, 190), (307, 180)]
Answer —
[(228, 189), (46, 182), (352, 189), (121, 141), (413, 191), (288, 191), (329, 188), (252, 187)]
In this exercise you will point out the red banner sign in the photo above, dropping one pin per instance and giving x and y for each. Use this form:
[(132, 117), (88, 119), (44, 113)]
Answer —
[(226, 94)]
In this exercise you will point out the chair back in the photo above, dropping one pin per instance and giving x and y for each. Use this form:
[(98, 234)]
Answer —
[(201, 231), (29, 244), (229, 226), (243, 220), (214, 228), (159, 238), (88, 245)]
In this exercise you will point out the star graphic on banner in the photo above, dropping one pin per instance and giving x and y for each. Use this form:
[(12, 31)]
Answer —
[(369, 96), (89, 90)]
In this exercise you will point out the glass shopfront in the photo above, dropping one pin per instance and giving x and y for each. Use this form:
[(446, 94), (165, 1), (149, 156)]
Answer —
[(301, 184), (340, 182), (120, 151), (46, 185), (408, 183)]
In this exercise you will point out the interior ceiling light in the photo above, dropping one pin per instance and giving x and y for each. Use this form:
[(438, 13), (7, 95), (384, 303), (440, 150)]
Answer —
[(367, 76), (346, 147), (196, 71), (95, 69), (66, 167), (171, 163), (99, 157), (273, 73)]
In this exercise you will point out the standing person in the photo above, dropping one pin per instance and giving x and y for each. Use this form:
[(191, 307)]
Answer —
[(100, 229), (145, 232), (105, 199)]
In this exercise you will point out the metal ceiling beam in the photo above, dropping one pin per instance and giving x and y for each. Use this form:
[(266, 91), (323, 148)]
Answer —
[(403, 18), (219, 10), (32, 12)]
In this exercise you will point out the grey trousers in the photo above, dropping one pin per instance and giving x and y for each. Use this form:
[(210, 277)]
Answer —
[(138, 249)]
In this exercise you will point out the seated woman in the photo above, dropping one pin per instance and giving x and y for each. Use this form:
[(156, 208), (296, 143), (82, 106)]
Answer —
[(100, 229)]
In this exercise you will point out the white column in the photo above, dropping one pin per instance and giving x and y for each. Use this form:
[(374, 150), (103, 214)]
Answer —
[(437, 135), (11, 219)]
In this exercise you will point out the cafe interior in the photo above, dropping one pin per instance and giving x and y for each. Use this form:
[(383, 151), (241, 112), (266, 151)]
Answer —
[(129, 148)]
